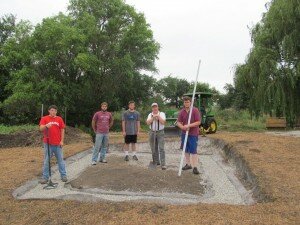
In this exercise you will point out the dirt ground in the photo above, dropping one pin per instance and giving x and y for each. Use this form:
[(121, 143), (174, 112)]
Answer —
[(117, 175), (273, 159)]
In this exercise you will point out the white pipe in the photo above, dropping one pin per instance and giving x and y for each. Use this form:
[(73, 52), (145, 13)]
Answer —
[(189, 121)]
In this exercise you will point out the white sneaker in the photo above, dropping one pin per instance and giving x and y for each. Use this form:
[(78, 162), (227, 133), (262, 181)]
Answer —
[(103, 161), (94, 163)]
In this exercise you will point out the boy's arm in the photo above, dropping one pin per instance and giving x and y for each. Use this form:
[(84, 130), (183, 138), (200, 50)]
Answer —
[(197, 117), (123, 128), (149, 119), (138, 127), (43, 125), (62, 131), (179, 122), (94, 125), (162, 119), (180, 125)]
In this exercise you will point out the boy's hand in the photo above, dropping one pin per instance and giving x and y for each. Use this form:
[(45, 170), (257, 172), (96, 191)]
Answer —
[(186, 127)]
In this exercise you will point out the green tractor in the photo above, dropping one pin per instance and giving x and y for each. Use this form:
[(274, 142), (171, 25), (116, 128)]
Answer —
[(203, 101)]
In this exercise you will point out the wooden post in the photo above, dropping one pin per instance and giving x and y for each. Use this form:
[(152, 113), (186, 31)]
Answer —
[(42, 112)]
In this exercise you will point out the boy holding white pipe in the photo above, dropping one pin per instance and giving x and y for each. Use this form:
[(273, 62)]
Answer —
[(191, 156)]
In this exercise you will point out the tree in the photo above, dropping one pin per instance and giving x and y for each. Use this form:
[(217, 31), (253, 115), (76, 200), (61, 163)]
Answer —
[(15, 55), (172, 89), (7, 30), (94, 54), (121, 44), (227, 100), (271, 74)]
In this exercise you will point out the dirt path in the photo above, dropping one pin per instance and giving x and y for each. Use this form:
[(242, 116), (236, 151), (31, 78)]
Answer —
[(293, 133)]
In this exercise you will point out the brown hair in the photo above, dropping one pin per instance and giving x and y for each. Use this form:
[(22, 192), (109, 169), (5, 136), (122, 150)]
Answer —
[(186, 98), (104, 103), (131, 102), (52, 107)]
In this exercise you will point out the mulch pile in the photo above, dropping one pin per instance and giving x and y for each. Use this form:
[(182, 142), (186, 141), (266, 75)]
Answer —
[(275, 161), (34, 138)]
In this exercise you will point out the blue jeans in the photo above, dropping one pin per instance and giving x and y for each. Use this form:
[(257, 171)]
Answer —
[(57, 151), (100, 142)]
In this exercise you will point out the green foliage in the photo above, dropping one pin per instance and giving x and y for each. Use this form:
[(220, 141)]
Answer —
[(269, 80), (4, 129), (233, 120), (234, 98), (7, 30), (117, 126), (94, 54), (172, 89), (203, 87)]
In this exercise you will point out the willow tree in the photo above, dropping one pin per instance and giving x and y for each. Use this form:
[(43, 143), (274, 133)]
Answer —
[(271, 73)]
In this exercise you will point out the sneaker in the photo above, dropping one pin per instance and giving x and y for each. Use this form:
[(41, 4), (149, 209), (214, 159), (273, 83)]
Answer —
[(64, 179), (94, 163), (43, 181), (187, 167), (126, 158), (196, 171), (135, 158), (163, 167), (103, 161), (155, 163)]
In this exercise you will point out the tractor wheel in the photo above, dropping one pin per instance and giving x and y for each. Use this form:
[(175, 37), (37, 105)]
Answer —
[(212, 126)]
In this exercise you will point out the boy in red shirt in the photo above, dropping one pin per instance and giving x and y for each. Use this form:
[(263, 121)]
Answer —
[(53, 128)]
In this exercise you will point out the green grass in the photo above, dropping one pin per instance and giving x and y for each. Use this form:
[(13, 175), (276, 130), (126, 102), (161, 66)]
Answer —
[(232, 120), (5, 129)]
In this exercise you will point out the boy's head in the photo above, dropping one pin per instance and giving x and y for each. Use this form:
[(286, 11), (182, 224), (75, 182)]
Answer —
[(131, 105), (187, 101), (154, 107), (104, 106), (52, 110)]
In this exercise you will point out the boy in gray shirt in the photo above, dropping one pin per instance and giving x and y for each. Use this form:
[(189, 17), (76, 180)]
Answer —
[(131, 129)]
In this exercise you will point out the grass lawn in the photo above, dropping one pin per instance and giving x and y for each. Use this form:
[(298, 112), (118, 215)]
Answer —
[(4, 129)]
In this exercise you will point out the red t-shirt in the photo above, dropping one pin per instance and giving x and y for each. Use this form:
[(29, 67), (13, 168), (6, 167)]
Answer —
[(183, 117), (54, 131), (102, 120)]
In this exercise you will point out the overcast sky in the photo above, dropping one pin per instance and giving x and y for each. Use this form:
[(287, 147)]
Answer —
[(214, 31)]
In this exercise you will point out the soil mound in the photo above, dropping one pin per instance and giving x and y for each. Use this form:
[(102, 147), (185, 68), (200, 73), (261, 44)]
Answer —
[(34, 138)]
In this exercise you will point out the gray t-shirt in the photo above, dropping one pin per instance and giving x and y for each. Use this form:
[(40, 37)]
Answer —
[(131, 119)]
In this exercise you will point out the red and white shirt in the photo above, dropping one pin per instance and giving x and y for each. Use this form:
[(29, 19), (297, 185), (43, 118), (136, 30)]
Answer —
[(54, 131), (102, 120)]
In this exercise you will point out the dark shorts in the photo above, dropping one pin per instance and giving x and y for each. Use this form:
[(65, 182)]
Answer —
[(130, 139), (191, 144)]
